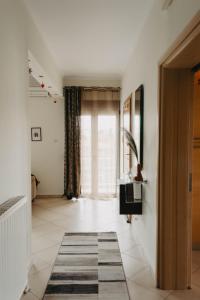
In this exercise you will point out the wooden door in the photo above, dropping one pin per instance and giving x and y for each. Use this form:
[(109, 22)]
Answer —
[(196, 165), (175, 167)]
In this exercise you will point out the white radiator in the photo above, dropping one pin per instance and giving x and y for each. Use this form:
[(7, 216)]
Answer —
[(13, 248)]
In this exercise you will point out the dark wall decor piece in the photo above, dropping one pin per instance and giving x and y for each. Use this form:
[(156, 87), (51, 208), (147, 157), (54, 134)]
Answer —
[(138, 122), (127, 124), (36, 134), (131, 198)]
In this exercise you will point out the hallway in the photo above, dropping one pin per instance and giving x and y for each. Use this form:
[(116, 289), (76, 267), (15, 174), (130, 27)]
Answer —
[(53, 217)]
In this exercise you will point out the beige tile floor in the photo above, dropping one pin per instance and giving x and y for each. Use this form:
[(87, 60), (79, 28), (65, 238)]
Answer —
[(53, 217)]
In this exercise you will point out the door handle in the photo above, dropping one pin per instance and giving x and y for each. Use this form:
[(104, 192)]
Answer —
[(190, 182)]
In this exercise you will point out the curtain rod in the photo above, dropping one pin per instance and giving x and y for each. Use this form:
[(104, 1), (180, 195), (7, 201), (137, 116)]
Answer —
[(97, 88)]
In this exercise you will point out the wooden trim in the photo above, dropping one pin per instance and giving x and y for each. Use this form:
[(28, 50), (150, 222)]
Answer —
[(167, 173), (182, 40), (174, 199), (184, 168), (101, 89)]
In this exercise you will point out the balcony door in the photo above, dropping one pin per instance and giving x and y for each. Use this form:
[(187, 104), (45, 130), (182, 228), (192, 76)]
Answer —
[(99, 148)]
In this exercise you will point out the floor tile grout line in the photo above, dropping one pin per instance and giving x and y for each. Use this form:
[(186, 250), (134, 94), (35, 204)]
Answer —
[(49, 209), (156, 291), (37, 252), (136, 273), (34, 295), (46, 233), (42, 269), (136, 258)]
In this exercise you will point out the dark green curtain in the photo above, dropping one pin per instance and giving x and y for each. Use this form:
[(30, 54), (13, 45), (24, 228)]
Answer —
[(72, 168)]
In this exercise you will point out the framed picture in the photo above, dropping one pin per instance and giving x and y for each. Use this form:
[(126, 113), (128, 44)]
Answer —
[(138, 121), (127, 123), (36, 134)]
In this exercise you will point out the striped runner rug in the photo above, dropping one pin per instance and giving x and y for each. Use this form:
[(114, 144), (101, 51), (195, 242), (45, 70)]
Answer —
[(88, 267)]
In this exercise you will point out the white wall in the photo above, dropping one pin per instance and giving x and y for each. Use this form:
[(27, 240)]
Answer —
[(14, 129), (14, 143), (47, 157), (14, 148), (160, 30), (40, 52), (17, 36)]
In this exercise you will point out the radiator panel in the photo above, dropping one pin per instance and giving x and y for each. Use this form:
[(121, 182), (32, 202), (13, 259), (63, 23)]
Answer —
[(13, 248)]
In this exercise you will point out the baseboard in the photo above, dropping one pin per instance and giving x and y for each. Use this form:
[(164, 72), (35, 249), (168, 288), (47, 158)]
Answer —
[(48, 196)]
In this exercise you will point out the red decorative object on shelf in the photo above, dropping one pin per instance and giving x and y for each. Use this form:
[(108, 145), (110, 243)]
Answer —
[(139, 176)]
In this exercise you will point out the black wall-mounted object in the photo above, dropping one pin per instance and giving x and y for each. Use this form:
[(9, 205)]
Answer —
[(128, 205), (196, 68), (138, 121)]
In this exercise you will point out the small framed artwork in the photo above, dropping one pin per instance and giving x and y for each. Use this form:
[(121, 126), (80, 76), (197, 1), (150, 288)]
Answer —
[(36, 134)]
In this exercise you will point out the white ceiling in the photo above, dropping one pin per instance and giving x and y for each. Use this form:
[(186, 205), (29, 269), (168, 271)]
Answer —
[(90, 37)]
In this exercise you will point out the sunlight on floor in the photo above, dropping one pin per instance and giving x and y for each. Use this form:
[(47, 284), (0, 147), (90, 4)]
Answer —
[(53, 217)]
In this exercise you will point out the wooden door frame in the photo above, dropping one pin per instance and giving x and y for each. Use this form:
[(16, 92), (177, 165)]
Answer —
[(174, 247)]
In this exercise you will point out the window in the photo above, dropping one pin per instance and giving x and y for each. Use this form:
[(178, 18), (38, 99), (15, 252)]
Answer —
[(86, 183), (107, 154), (99, 147)]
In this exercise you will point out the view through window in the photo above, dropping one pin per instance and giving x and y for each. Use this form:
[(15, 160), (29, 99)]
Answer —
[(98, 154)]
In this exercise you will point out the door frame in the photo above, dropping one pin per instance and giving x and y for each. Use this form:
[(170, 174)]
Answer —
[(174, 246)]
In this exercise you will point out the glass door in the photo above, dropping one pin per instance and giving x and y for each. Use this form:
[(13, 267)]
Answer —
[(107, 155), (99, 148), (86, 155)]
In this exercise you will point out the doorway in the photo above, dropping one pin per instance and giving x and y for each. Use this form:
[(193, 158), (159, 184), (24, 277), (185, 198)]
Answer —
[(174, 268), (98, 155), (196, 181), (99, 148)]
